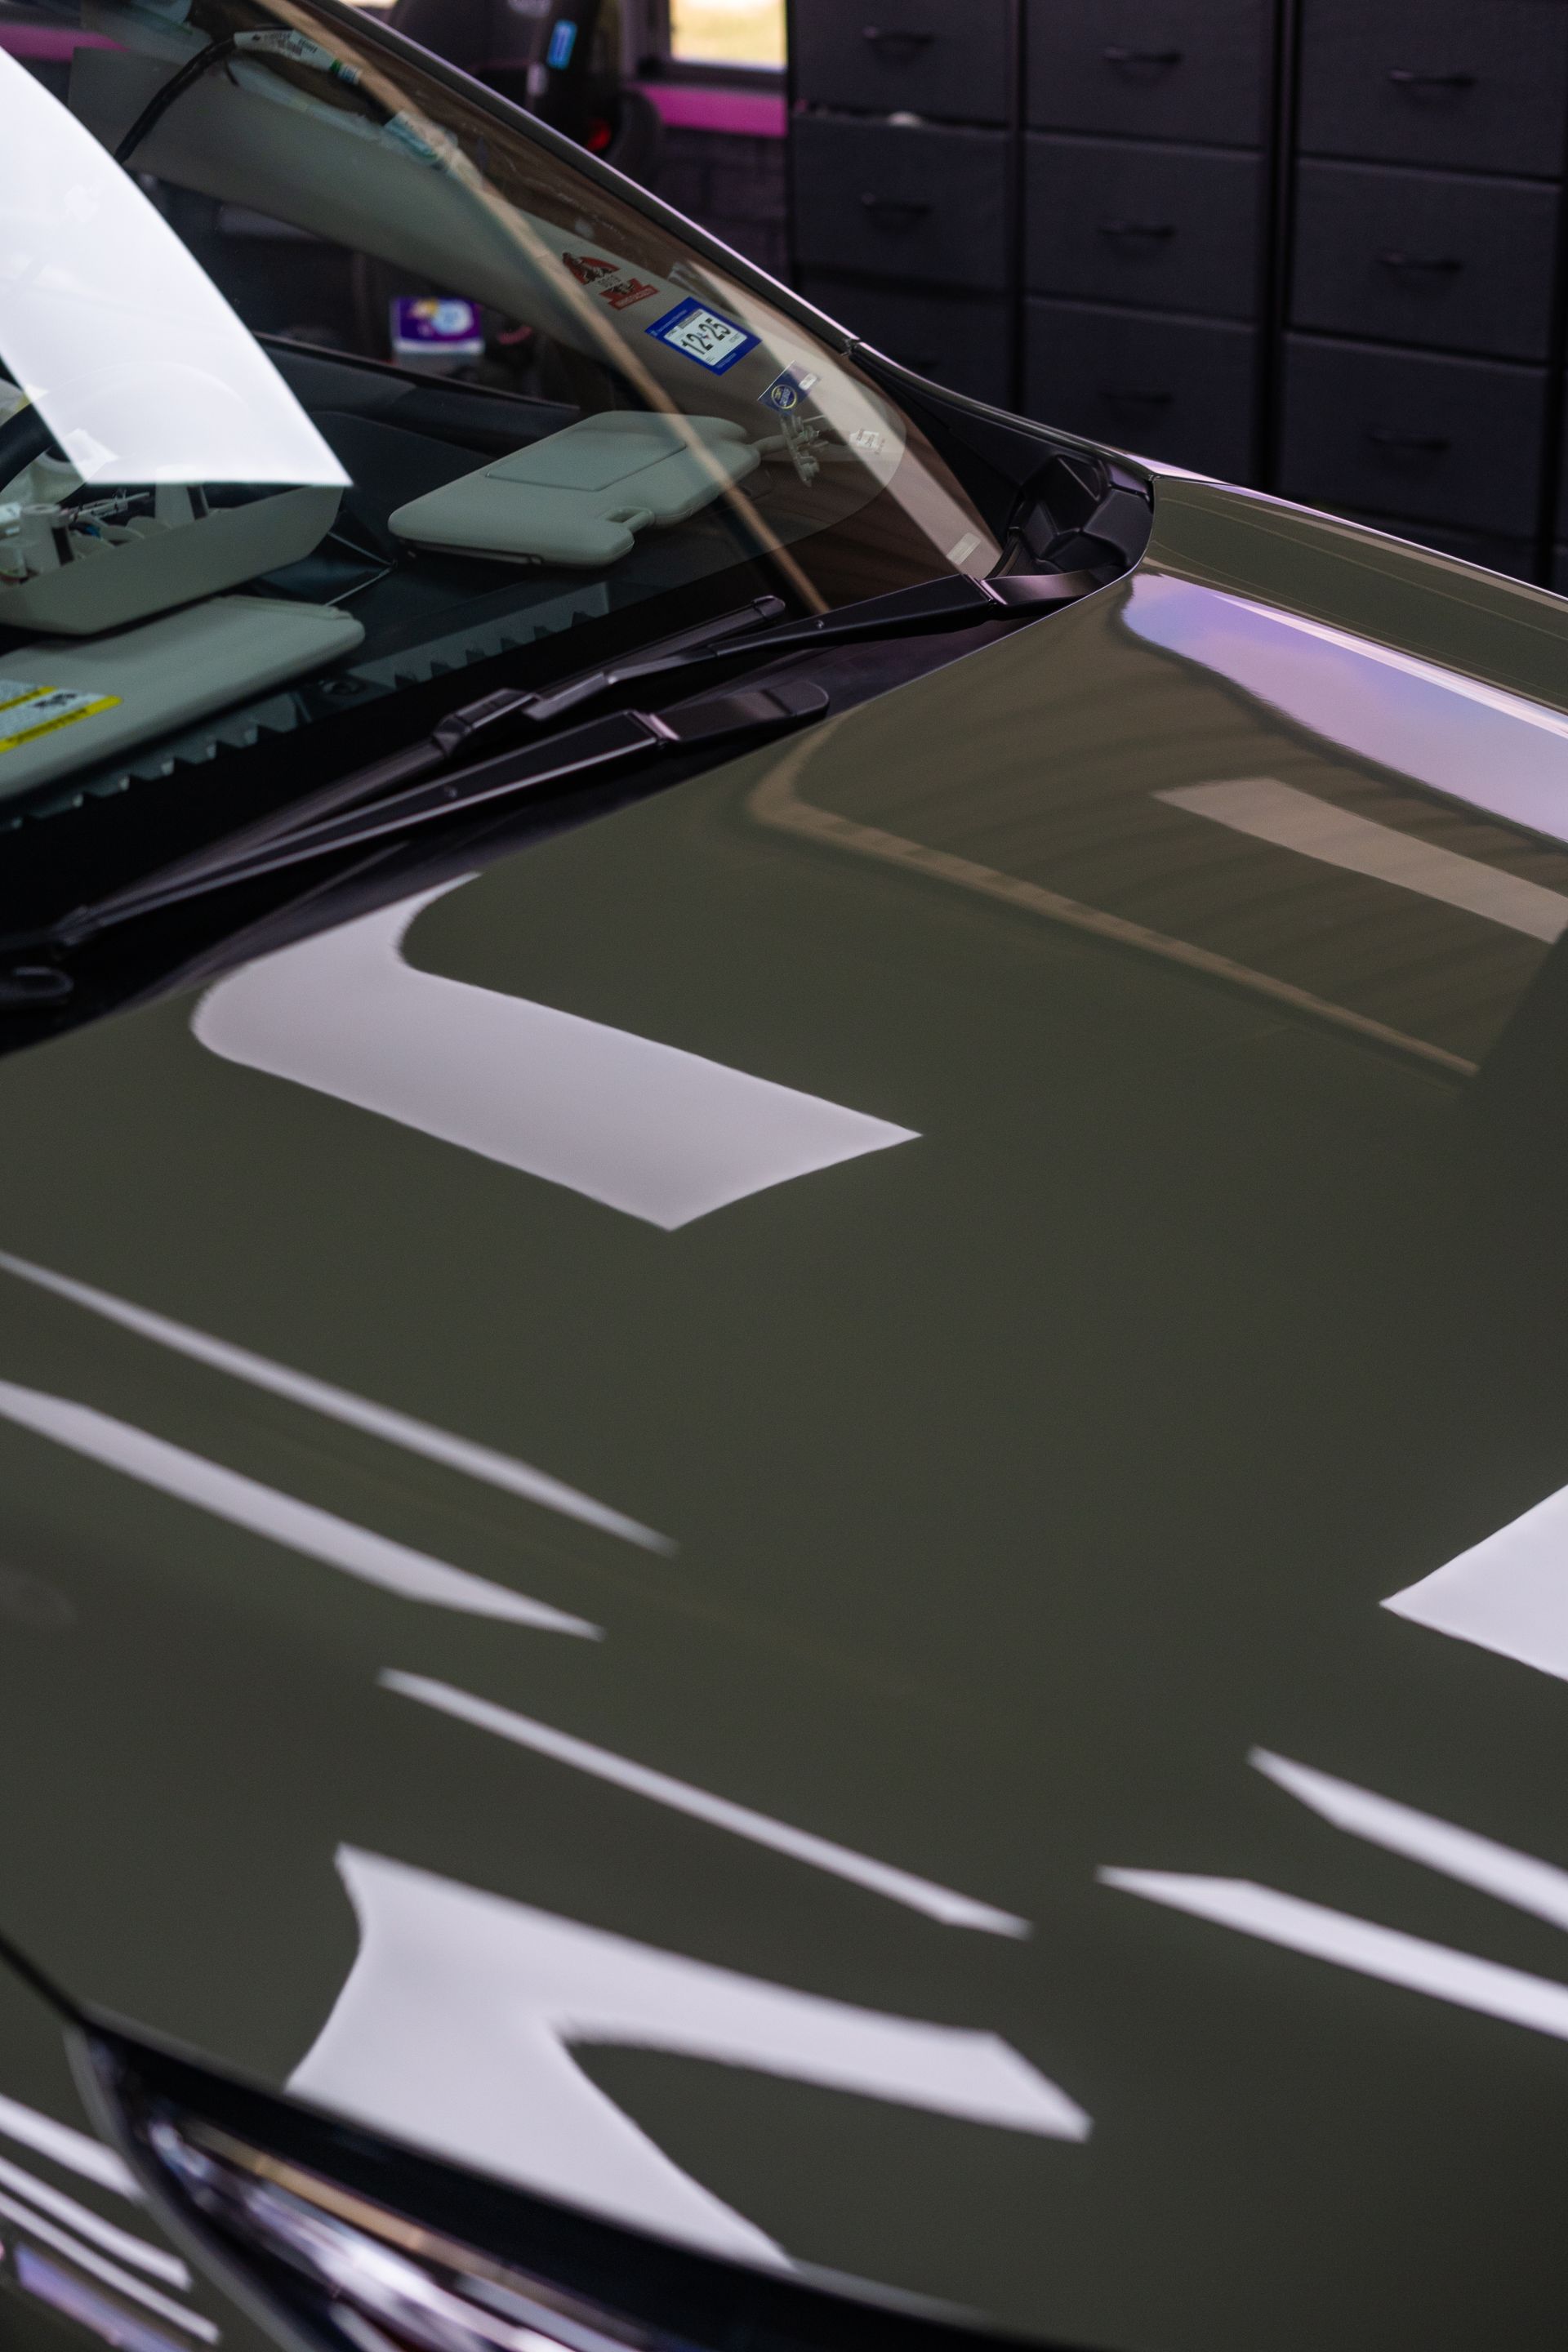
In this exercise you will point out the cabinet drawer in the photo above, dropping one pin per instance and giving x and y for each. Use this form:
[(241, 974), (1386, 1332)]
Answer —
[(1561, 530), (957, 340), (1174, 228), (1397, 432), (1514, 556), (1197, 70), (1180, 389), (924, 55), (915, 202), (1478, 83), (1462, 263)]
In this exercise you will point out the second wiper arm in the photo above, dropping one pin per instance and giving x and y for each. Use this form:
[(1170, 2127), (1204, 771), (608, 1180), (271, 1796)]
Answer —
[(381, 780), (596, 747), (394, 792), (955, 601)]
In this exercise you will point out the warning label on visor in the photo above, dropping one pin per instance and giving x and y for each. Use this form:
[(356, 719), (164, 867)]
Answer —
[(27, 711)]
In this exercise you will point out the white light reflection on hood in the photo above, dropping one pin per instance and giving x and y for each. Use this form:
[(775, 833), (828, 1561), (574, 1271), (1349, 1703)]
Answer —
[(457, 2026), (1493, 750), (141, 369)]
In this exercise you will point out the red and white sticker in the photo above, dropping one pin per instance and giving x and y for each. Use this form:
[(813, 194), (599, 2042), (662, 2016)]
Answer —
[(618, 286)]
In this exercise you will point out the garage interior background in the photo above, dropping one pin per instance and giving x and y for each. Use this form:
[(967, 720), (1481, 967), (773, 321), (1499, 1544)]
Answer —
[(1311, 244), (1317, 246)]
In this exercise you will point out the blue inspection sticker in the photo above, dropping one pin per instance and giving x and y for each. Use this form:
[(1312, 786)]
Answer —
[(787, 391), (563, 41), (706, 336)]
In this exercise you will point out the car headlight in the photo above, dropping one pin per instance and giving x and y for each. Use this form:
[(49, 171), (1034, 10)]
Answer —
[(341, 2242)]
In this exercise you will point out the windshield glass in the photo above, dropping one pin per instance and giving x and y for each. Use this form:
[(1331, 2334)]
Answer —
[(320, 379)]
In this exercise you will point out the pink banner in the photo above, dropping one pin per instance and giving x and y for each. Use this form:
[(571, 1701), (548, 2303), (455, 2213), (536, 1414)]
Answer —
[(707, 106)]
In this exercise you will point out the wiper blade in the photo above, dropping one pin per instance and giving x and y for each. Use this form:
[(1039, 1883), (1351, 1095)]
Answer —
[(953, 602), (383, 797), (597, 747), (432, 752), (751, 631)]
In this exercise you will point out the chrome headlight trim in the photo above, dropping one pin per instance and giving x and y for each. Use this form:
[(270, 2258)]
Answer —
[(339, 2241)]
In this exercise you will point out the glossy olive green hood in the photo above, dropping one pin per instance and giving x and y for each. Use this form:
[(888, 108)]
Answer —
[(1009, 1268)]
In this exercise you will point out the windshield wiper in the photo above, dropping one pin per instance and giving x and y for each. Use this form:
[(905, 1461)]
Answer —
[(595, 747), (433, 751), (384, 796), (753, 631), (953, 602)]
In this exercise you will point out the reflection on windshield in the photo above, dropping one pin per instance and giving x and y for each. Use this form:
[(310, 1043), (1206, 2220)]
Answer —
[(495, 398), (188, 395)]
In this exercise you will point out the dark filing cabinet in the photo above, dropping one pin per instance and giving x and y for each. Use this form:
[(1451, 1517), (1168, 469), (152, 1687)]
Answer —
[(1422, 373), (1146, 179), (1313, 245), (903, 170)]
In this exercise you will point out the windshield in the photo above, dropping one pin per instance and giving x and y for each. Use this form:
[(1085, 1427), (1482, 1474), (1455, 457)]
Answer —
[(320, 379)]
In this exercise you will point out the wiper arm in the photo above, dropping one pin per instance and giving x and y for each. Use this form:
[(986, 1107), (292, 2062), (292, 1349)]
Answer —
[(953, 602), (325, 819), (596, 747), (434, 751), (753, 630)]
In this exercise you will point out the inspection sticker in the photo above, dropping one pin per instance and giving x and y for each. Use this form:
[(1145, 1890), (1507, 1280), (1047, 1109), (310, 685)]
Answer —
[(29, 711), (787, 391), (706, 336)]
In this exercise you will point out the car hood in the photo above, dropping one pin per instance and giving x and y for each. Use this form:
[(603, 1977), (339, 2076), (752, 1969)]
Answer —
[(724, 1501)]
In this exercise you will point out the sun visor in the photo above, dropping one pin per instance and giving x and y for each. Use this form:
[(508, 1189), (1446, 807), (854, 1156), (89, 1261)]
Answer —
[(580, 496), (159, 385)]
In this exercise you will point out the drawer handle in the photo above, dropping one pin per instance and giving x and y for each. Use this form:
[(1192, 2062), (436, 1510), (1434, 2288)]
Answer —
[(1133, 59), (889, 42), (895, 212), (1152, 230), (1420, 445), (1403, 78), (1438, 266), (1135, 399)]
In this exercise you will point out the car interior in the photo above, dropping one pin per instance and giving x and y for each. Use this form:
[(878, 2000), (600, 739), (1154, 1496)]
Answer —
[(531, 406)]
